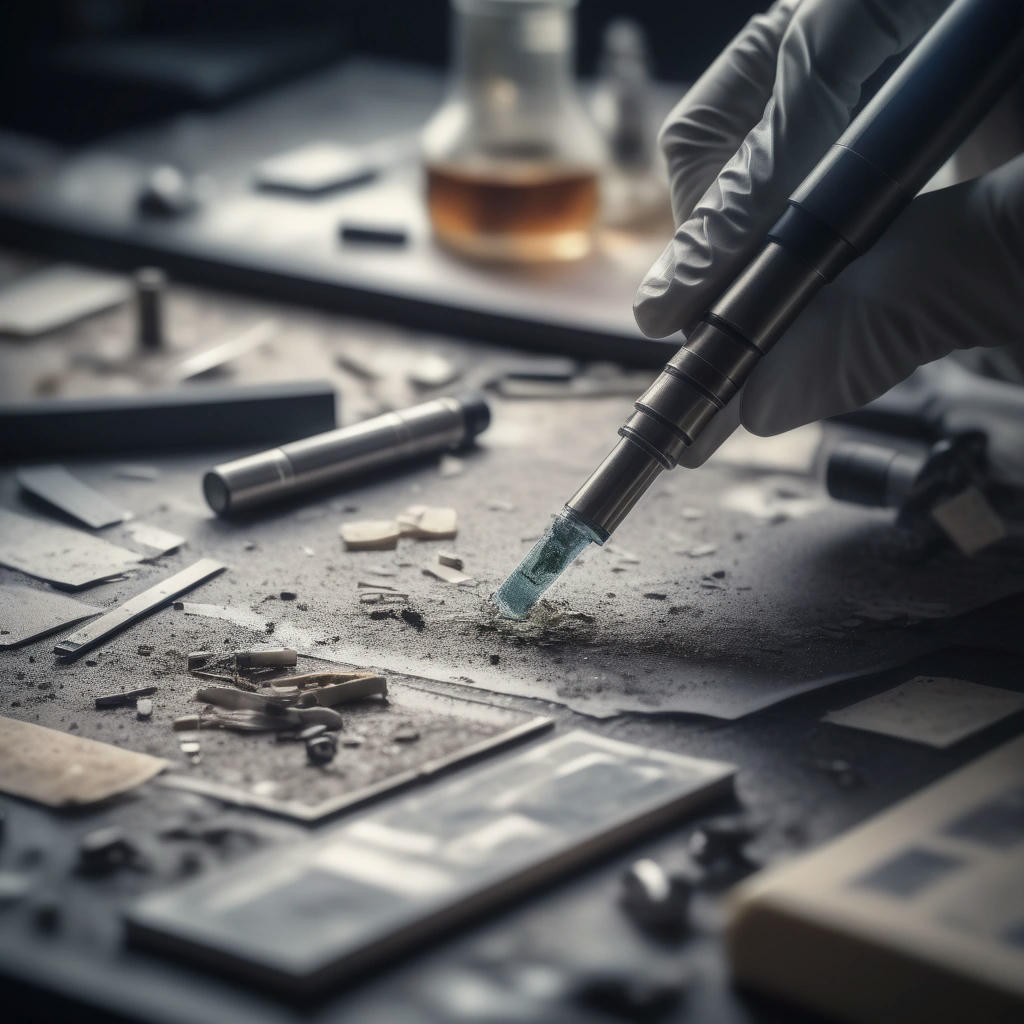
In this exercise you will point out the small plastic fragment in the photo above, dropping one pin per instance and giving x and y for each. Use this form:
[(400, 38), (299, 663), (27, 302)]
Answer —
[(450, 559), (144, 709), (370, 535), (406, 735), (657, 900), (448, 575), (321, 749)]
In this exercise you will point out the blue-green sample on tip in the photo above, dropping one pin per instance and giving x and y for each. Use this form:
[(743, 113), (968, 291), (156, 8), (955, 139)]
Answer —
[(548, 559)]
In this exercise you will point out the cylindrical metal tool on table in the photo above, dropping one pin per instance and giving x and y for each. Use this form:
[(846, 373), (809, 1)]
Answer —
[(890, 151), (441, 424)]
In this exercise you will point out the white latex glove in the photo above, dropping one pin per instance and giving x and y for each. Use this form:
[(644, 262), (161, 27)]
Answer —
[(949, 273)]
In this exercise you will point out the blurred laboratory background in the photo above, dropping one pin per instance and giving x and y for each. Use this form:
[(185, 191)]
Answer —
[(479, 168)]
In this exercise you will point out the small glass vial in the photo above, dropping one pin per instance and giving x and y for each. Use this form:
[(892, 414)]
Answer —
[(512, 160)]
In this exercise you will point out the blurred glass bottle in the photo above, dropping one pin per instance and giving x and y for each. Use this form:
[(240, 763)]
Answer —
[(623, 105), (512, 159)]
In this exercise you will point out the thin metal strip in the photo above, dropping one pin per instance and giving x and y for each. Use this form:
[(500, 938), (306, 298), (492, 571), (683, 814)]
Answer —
[(137, 607)]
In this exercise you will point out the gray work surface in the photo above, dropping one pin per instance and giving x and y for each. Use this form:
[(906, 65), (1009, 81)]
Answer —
[(827, 599)]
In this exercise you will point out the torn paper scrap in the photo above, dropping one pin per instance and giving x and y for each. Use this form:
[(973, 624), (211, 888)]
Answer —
[(57, 487), (154, 539), (28, 614), (969, 521), (370, 535), (60, 554), (931, 710), (56, 296), (59, 770)]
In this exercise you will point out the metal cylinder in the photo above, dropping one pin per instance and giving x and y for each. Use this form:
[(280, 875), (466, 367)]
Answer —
[(438, 425)]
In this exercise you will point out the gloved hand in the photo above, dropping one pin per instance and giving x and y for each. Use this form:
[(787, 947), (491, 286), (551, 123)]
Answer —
[(948, 274)]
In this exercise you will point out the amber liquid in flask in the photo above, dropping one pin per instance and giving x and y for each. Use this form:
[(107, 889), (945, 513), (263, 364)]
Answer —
[(517, 212)]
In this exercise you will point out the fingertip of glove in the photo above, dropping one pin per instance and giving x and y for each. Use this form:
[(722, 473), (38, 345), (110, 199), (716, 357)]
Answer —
[(651, 314)]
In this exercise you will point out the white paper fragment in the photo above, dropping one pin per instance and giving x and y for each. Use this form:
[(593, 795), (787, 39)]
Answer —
[(60, 554), (370, 535), (59, 488), (155, 539), (27, 613), (57, 296), (59, 770), (448, 575), (969, 521), (931, 710)]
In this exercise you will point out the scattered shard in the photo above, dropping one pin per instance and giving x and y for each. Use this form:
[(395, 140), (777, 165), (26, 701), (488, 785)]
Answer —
[(214, 359), (969, 521), (448, 575), (28, 614), (433, 371), (144, 709), (370, 535), (154, 539), (451, 560), (426, 522), (138, 607), (702, 550), (60, 554), (57, 487)]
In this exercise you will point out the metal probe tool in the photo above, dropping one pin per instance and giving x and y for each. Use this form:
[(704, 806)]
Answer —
[(913, 124)]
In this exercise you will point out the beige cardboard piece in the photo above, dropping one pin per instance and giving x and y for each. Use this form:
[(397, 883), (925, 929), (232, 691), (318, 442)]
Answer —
[(59, 770)]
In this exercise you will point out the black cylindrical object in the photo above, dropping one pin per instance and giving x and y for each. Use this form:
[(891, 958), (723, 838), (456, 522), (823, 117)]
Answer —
[(890, 151), (438, 425), (150, 283)]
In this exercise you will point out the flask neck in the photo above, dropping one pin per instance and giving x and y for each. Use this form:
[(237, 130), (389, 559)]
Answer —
[(512, 52)]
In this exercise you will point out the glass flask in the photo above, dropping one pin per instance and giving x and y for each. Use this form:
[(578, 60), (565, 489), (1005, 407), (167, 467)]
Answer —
[(512, 160)]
